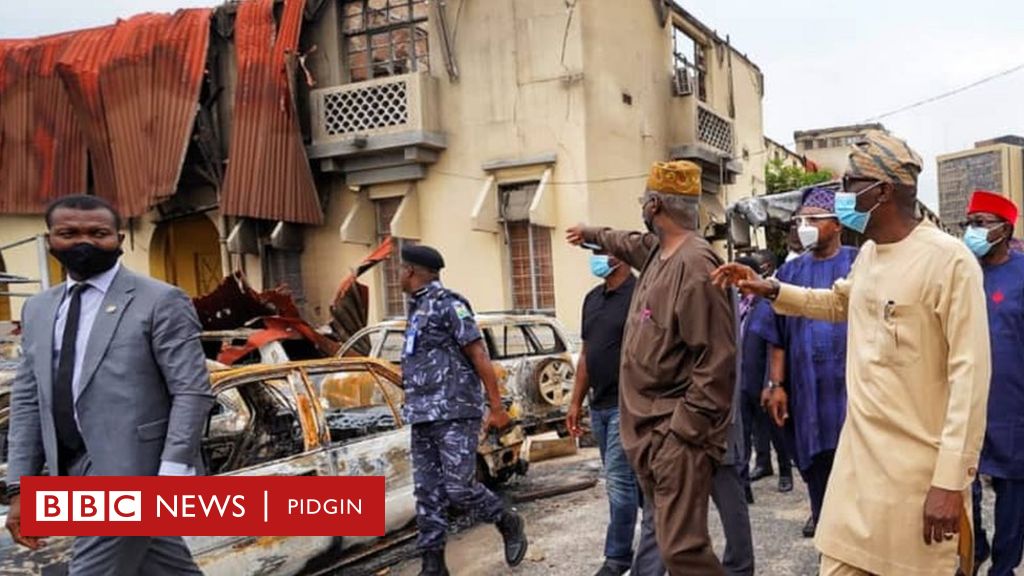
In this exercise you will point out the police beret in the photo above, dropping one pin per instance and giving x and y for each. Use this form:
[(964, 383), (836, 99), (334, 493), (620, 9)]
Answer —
[(424, 256)]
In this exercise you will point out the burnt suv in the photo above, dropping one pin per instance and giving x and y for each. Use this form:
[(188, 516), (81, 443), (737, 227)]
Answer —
[(532, 355)]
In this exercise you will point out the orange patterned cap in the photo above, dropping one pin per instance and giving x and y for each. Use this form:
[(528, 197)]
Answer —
[(677, 177)]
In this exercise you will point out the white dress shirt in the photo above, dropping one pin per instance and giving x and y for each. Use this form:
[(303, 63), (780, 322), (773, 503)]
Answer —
[(92, 299)]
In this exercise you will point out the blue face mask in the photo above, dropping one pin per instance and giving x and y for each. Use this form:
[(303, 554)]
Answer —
[(846, 210), (599, 265), (976, 238)]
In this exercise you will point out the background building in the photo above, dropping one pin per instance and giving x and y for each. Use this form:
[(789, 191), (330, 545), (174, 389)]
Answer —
[(995, 165), (484, 129), (776, 152), (829, 148)]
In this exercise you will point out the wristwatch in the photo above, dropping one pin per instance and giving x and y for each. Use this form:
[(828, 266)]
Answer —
[(776, 286), (772, 385), (12, 490)]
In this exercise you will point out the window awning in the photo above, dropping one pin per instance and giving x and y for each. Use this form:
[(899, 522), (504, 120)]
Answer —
[(360, 223), (540, 210)]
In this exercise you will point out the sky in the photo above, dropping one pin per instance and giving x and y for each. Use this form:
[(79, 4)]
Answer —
[(826, 62)]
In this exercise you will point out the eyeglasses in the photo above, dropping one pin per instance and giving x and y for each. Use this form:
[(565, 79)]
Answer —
[(866, 184), (810, 219), (981, 222)]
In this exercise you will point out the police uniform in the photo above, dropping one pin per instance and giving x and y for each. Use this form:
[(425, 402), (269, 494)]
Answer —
[(444, 405)]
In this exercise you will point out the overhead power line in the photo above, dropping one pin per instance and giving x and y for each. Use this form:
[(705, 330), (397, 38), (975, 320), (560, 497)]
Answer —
[(944, 95)]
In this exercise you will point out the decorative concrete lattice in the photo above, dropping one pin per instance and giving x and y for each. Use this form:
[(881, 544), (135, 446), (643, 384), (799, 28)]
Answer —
[(365, 108), (714, 130)]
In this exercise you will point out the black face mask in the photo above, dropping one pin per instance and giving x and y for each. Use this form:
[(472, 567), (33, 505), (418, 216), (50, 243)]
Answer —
[(649, 221), (85, 260)]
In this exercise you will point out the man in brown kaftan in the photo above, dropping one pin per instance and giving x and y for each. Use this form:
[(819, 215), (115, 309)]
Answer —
[(678, 364)]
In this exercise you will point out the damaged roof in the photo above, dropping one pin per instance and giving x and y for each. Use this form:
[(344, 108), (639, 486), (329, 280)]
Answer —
[(111, 110), (269, 175)]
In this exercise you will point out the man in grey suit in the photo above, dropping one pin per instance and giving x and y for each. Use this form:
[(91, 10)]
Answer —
[(112, 382)]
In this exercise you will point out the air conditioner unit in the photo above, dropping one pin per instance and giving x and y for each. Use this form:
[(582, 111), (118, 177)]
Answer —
[(682, 82)]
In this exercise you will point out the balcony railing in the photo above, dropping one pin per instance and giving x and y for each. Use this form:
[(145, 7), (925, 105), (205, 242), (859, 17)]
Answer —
[(375, 107), (714, 130)]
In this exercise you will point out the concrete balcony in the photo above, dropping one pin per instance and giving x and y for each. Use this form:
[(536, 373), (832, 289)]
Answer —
[(381, 130), (708, 138)]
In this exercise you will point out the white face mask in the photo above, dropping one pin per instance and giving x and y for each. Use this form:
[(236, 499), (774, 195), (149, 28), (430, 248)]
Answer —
[(808, 236)]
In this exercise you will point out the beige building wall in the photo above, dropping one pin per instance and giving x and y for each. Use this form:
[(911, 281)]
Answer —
[(602, 107), (776, 151), (138, 255), (829, 148)]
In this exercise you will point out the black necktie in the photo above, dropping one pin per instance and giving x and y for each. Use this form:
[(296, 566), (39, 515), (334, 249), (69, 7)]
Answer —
[(68, 438)]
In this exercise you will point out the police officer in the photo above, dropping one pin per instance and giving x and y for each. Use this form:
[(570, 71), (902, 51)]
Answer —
[(443, 362)]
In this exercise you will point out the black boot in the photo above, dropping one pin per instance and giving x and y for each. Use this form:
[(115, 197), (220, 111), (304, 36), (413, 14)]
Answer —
[(433, 563), (810, 528), (511, 527)]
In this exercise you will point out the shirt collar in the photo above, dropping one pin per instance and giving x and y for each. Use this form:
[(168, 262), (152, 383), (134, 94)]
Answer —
[(625, 284), (422, 291), (100, 281)]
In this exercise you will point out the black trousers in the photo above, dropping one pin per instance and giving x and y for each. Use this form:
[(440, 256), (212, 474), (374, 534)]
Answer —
[(816, 478)]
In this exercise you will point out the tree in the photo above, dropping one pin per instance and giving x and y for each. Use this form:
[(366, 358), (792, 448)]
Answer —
[(782, 178)]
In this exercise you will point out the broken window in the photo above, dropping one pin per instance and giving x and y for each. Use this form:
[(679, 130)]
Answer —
[(529, 249), (391, 286), (508, 341), (282, 269), (385, 37), (546, 339), (394, 343), (251, 424), (360, 403), (688, 55)]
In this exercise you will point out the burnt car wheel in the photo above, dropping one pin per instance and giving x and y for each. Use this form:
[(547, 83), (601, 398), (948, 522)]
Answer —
[(555, 381)]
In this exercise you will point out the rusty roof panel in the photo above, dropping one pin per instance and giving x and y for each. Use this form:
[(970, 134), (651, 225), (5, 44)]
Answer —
[(268, 175), (42, 150), (135, 87)]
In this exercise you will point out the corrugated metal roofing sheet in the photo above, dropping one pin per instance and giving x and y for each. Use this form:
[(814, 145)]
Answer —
[(128, 93), (42, 149), (135, 87), (268, 175)]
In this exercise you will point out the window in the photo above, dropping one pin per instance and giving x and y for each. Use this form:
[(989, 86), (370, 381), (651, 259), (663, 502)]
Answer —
[(508, 341), (529, 250), (688, 55), (394, 342), (359, 403), (391, 286), (385, 37), (283, 269), (254, 424), (822, 143), (546, 338)]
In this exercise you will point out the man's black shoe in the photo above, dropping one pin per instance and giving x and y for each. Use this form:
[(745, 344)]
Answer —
[(433, 563), (610, 569), (749, 494), (785, 483), (511, 526), (760, 472), (810, 528)]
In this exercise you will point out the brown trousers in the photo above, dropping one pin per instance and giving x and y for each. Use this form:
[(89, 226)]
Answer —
[(678, 482)]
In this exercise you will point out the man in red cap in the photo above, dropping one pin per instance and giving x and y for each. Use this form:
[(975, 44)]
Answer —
[(988, 230)]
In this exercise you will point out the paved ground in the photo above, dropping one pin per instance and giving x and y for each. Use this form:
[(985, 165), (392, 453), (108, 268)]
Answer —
[(567, 532)]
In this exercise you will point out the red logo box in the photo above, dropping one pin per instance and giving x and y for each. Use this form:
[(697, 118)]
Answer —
[(202, 506)]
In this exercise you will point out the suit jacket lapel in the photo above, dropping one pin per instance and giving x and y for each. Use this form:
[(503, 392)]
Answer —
[(108, 316), (44, 354)]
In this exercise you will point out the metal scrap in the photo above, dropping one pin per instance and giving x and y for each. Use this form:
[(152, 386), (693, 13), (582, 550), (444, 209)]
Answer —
[(272, 314)]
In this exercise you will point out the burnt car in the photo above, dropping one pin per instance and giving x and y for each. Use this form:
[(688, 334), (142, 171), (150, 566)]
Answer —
[(533, 356), (333, 417)]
